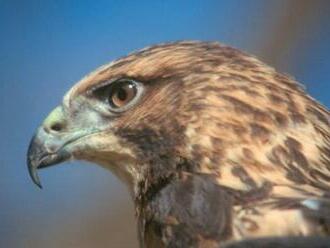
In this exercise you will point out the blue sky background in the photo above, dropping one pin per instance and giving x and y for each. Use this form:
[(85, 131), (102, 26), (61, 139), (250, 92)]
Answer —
[(46, 46)]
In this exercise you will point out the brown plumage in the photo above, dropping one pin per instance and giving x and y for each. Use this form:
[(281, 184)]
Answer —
[(214, 145)]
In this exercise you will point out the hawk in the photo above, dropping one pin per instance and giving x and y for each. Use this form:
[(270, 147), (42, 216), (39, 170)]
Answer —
[(217, 148)]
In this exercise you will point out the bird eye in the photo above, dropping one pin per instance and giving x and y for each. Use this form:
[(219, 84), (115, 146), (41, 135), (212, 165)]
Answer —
[(118, 95), (122, 94)]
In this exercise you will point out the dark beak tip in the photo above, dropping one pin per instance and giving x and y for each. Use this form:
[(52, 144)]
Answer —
[(32, 158), (38, 184), (34, 173), (37, 181), (39, 155)]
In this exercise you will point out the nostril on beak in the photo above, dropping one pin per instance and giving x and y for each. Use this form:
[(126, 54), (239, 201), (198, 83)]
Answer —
[(55, 122), (56, 127)]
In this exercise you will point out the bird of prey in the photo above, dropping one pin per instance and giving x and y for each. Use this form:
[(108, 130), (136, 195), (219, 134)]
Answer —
[(217, 148)]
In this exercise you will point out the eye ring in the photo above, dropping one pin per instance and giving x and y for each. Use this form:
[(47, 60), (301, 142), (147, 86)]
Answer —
[(123, 94)]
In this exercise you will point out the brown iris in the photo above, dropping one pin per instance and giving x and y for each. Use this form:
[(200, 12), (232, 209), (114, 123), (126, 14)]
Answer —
[(122, 93)]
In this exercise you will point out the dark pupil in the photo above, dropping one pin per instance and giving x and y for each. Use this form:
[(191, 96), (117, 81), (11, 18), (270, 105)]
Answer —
[(122, 94)]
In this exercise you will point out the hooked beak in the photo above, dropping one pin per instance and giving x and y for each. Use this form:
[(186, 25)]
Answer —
[(44, 151), (48, 145), (55, 142)]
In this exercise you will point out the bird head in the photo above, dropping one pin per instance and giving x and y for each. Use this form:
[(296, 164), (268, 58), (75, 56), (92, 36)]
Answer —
[(128, 114), (153, 111)]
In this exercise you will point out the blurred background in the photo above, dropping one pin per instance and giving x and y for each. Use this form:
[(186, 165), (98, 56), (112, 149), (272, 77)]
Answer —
[(46, 46)]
